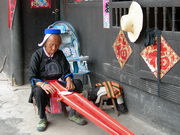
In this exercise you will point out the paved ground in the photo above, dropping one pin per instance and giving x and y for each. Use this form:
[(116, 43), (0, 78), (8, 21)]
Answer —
[(17, 117)]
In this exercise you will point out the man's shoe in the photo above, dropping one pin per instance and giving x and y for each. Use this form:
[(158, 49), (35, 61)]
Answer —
[(77, 120), (42, 125)]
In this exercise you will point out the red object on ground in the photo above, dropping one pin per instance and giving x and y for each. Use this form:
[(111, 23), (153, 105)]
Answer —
[(55, 105), (90, 111)]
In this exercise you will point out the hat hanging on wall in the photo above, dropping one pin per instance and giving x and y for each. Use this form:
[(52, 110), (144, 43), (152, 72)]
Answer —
[(132, 22)]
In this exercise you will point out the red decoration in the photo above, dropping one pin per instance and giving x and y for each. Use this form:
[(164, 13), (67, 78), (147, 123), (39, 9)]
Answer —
[(122, 49), (11, 10), (40, 3), (168, 57), (83, 106)]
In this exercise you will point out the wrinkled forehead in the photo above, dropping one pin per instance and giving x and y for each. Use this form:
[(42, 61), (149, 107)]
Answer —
[(54, 38)]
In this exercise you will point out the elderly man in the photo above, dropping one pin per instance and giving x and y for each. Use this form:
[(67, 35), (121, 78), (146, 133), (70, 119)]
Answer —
[(49, 63)]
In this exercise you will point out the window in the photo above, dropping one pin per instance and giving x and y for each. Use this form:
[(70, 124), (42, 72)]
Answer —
[(163, 18)]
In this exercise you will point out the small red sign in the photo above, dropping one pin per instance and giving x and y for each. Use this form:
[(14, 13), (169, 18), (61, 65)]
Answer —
[(11, 10), (40, 3), (122, 49)]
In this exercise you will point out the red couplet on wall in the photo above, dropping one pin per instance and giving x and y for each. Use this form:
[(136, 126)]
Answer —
[(11, 11)]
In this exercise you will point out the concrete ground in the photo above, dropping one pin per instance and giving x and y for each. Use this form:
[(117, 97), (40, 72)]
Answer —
[(18, 117)]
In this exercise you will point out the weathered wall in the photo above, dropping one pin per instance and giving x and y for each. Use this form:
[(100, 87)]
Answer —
[(4, 36), (94, 40)]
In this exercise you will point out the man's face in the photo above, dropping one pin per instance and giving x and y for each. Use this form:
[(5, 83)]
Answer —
[(52, 44)]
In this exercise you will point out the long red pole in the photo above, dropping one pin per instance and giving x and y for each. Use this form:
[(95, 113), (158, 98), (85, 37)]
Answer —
[(90, 111)]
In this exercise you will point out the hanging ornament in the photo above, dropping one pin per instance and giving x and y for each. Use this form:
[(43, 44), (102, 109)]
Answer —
[(122, 49), (168, 57)]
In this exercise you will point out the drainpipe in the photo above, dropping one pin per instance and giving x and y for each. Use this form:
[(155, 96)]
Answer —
[(16, 52)]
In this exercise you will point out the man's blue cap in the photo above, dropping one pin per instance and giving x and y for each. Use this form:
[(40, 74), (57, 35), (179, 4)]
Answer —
[(52, 31)]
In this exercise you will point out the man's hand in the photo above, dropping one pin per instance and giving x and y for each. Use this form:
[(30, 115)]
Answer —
[(46, 87), (69, 84)]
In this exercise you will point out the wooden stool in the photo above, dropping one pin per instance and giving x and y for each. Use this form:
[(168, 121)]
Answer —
[(105, 97)]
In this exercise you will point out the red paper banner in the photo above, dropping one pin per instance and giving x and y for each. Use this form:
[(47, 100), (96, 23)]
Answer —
[(40, 3), (122, 49), (11, 10), (168, 57)]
